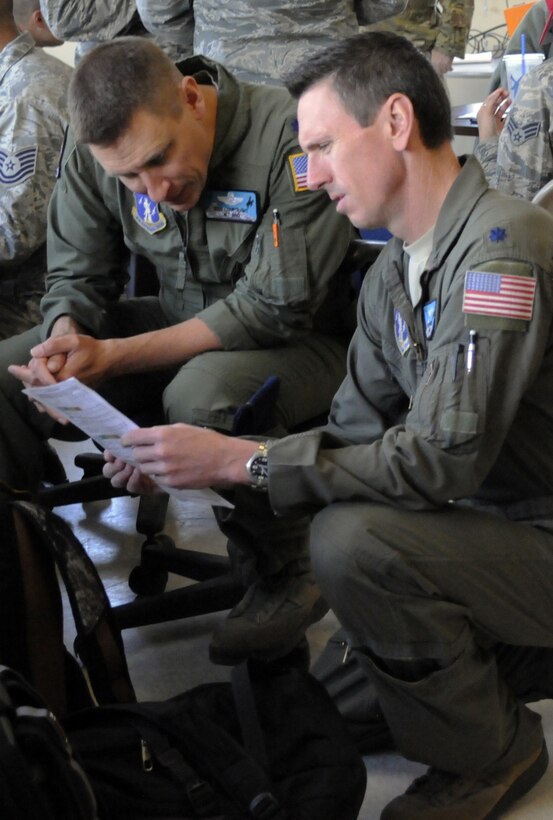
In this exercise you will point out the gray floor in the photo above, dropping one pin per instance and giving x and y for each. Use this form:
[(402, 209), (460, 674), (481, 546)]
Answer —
[(171, 657)]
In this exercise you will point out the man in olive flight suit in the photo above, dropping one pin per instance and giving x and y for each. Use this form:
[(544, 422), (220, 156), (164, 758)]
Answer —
[(431, 486), (204, 177)]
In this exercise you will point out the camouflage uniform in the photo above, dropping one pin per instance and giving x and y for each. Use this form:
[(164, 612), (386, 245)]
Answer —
[(520, 161), (170, 22), (263, 41), (90, 22), (33, 117), (434, 25)]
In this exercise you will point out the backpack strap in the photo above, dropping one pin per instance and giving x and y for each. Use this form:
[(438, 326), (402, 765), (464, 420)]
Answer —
[(31, 612), (246, 709), (98, 643)]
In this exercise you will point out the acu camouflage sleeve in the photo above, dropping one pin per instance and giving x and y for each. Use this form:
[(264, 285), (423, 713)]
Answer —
[(454, 26)]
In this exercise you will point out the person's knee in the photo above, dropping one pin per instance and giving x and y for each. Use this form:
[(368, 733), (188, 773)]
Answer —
[(334, 544), (203, 393), (354, 540), (15, 350)]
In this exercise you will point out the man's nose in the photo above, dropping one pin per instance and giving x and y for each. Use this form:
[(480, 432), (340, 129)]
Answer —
[(316, 173), (156, 186)]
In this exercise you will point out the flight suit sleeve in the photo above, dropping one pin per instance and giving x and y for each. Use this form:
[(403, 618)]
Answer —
[(85, 247), (460, 415)]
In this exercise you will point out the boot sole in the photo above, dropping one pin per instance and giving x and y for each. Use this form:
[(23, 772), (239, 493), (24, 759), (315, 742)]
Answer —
[(522, 785)]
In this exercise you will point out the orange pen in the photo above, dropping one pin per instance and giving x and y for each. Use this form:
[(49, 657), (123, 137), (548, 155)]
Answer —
[(276, 223)]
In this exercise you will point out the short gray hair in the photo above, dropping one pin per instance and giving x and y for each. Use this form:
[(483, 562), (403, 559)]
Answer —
[(115, 80), (22, 10)]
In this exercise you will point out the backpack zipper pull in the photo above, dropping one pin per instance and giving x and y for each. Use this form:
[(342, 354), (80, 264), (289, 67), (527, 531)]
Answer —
[(347, 653), (147, 762)]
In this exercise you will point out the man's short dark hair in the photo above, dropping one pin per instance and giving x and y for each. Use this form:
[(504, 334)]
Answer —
[(116, 79), (366, 69)]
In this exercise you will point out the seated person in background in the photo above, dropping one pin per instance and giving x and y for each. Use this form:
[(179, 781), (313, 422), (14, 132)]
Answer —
[(535, 25), (29, 17), (438, 29), (261, 41), (33, 118), (88, 23), (431, 486), (203, 176), (515, 151)]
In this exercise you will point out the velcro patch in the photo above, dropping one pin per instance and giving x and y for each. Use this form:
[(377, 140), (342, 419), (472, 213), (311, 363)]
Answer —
[(519, 134), (146, 213), (18, 166), (499, 294), (231, 206), (298, 165)]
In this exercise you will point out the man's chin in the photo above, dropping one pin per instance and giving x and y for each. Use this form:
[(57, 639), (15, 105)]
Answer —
[(177, 206)]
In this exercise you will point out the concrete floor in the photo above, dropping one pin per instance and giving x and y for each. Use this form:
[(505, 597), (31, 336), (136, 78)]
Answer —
[(166, 659)]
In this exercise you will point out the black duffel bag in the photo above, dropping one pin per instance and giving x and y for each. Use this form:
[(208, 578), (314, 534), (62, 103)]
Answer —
[(271, 745)]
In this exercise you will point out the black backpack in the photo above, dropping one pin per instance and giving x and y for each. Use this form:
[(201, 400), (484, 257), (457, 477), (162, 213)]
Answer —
[(39, 777), (270, 745), (34, 542)]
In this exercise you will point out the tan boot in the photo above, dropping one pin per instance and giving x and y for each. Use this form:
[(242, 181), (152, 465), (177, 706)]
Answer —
[(440, 795)]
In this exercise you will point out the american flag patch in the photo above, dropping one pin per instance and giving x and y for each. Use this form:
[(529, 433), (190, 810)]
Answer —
[(498, 294), (298, 164)]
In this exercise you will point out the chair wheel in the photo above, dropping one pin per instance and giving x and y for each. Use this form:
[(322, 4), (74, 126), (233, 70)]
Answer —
[(161, 540), (148, 582)]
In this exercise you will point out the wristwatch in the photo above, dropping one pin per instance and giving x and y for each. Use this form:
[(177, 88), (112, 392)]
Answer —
[(258, 467)]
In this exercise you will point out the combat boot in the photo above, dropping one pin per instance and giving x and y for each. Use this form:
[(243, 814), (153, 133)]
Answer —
[(439, 795), (270, 620)]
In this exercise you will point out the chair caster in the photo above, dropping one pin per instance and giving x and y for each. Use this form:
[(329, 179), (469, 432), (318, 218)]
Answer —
[(143, 581), (149, 578)]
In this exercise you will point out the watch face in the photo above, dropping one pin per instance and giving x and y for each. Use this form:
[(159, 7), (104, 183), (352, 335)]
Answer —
[(259, 467)]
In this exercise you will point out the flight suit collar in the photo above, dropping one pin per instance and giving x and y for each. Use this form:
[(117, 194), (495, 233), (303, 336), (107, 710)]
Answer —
[(456, 210), (231, 127)]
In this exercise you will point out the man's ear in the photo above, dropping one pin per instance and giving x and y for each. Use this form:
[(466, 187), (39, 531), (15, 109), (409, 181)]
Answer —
[(192, 97), (401, 120), (38, 20)]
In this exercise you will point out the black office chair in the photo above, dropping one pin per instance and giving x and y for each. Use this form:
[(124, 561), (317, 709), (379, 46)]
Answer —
[(215, 588)]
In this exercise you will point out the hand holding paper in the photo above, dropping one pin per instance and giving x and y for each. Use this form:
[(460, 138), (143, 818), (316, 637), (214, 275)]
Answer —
[(92, 414)]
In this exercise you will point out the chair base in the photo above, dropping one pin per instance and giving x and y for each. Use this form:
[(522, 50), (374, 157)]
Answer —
[(213, 588)]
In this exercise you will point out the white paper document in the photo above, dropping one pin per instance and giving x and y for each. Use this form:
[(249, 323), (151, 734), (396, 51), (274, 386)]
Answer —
[(96, 417)]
